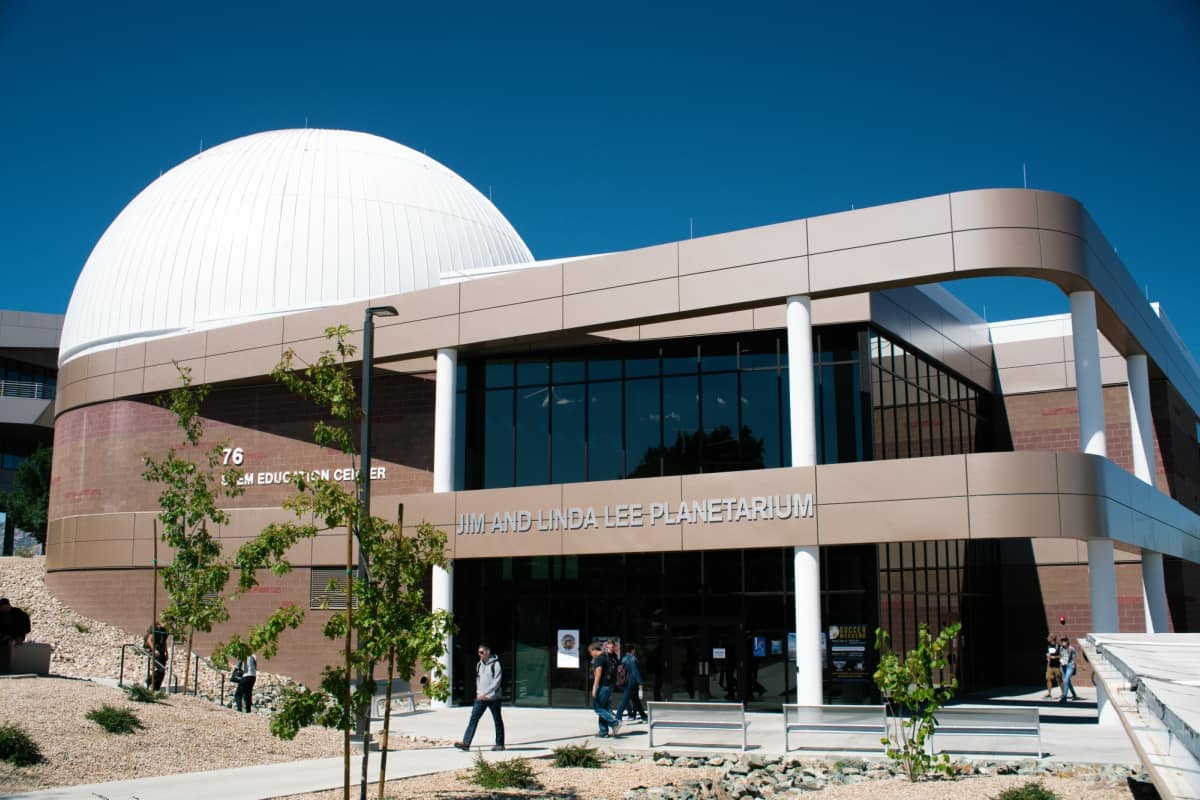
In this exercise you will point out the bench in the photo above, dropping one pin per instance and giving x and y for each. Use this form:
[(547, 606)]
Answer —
[(399, 702), (847, 720), (696, 717), (987, 722)]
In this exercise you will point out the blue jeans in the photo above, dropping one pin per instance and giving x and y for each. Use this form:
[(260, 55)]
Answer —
[(602, 705), (1067, 688), (476, 712), (631, 700)]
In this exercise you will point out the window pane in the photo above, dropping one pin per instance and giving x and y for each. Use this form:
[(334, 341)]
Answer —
[(679, 365), (604, 369), (719, 406), (567, 371), (498, 374), (681, 420), (533, 373), (761, 442), (533, 431), (641, 367), (569, 463), (604, 432), (498, 438), (643, 433)]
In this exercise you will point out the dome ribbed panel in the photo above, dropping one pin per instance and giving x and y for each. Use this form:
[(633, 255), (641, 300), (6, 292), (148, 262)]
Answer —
[(277, 222)]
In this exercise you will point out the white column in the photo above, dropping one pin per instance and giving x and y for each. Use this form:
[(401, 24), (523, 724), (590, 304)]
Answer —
[(1102, 586), (1154, 590), (1141, 434), (1102, 576), (807, 561), (1087, 374), (1141, 423), (445, 390)]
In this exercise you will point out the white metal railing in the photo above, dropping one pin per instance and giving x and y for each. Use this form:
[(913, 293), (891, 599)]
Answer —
[(37, 390)]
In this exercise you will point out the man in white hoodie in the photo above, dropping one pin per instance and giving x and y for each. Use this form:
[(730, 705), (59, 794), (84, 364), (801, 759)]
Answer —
[(487, 696)]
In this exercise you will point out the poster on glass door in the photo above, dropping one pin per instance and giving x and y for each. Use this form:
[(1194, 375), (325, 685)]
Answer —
[(848, 651), (568, 648)]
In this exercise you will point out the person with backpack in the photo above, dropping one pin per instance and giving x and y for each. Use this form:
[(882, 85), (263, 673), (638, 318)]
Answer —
[(629, 680), (603, 672), (488, 677), (1066, 658)]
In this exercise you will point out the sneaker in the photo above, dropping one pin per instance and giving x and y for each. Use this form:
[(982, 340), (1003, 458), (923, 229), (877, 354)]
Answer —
[(601, 735), (614, 728), (462, 746), (498, 747), (643, 720)]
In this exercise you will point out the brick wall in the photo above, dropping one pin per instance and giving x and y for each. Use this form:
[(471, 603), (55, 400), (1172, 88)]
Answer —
[(98, 449), (122, 598)]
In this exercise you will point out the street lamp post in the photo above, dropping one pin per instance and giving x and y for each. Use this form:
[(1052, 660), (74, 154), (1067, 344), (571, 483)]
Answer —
[(364, 484)]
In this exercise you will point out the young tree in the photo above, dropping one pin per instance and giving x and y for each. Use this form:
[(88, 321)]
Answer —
[(914, 688), (390, 618), (193, 479), (28, 502)]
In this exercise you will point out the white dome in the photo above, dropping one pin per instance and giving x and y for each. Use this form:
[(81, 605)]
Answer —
[(278, 222)]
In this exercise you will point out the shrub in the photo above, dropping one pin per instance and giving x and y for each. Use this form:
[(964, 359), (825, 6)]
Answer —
[(17, 748), (139, 693), (1028, 791), (115, 720), (578, 755), (79, 626), (914, 686), (512, 774)]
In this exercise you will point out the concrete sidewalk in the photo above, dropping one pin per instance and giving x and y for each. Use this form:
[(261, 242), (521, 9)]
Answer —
[(1070, 733)]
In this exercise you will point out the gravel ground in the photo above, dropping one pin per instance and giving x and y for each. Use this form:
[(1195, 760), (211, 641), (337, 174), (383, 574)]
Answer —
[(185, 734), (611, 783)]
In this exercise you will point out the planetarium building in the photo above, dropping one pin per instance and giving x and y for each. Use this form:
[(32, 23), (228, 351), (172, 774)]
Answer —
[(744, 452)]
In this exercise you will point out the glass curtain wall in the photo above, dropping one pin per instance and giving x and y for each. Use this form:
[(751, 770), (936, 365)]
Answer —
[(712, 404), (918, 408)]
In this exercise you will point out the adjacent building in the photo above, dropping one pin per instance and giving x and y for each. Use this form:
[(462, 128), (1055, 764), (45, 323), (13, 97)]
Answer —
[(744, 452)]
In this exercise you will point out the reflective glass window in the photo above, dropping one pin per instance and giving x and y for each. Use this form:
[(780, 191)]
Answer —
[(568, 440), (604, 432), (762, 434), (533, 436), (681, 421), (643, 428), (719, 407), (498, 438), (498, 373)]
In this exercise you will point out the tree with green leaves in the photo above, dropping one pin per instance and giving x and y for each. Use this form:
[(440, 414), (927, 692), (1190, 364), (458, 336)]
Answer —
[(194, 478), (29, 501), (386, 613), (915, 687)]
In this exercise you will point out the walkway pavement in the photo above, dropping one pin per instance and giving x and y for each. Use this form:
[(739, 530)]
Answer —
[(1069, 733)]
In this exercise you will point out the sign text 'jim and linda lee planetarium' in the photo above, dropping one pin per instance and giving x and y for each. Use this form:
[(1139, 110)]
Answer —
[(743, 452)]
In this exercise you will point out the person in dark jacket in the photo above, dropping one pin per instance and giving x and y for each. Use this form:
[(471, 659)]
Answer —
[(488, 675), (633, 686), (14, 627)]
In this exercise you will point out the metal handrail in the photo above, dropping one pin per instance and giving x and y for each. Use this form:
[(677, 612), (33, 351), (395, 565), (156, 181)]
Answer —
[(37, 390)]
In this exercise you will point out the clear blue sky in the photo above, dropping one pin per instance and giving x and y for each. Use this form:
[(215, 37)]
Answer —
[(605, 126)]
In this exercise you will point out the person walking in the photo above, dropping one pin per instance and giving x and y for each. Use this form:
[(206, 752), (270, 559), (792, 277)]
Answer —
[(1066, 658), (603, 676), (488, 675), (155, 642), (1053, 667), (632, 699), (244, 695)]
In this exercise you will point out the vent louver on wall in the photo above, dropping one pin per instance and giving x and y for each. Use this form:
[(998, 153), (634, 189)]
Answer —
[(327, 588)]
